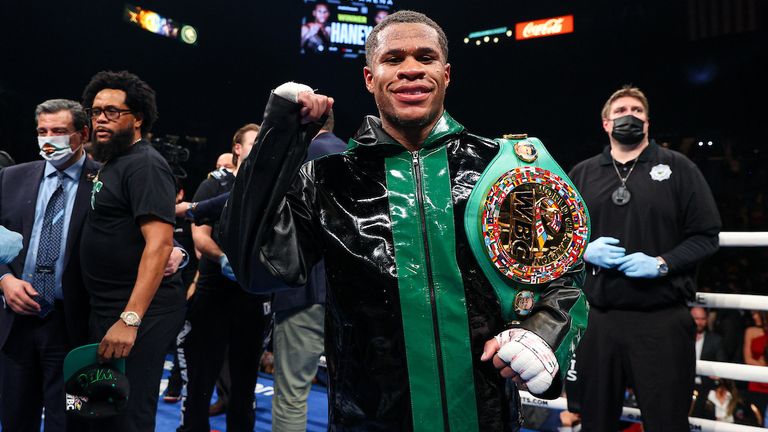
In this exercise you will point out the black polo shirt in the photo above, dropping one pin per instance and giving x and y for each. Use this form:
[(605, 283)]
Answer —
[(671, 214)]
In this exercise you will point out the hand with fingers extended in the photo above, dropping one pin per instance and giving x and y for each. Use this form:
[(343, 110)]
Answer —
[(118, 341), (523, 357), (18, 295), (639, 265), (604, 252), (313, 106)]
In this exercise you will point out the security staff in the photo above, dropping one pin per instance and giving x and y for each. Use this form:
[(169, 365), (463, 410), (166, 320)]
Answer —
[(653, 220)]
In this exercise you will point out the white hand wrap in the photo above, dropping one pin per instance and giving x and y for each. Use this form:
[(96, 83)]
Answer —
[(530, 357), (291, 90)]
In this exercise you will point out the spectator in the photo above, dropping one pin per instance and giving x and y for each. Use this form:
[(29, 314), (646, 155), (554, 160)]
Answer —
[(755, 338)]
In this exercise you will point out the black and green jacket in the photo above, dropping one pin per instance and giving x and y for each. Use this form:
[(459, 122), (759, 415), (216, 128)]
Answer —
[(408, 308)]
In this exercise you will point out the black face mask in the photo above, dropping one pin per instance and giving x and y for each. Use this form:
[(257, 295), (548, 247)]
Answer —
[(628, 130)]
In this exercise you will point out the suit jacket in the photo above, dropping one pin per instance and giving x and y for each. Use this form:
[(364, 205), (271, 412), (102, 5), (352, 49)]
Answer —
[(19, 186), (712, 350)]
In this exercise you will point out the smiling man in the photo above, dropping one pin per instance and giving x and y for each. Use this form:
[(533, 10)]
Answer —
[(416, 338)]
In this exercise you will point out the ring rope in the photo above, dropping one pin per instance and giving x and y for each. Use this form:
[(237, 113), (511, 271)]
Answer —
[(733, 371), (744, 239), (731, 301), (633, 415)]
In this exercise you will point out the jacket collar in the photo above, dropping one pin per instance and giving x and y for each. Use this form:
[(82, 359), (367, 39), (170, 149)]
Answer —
[(372, 135)]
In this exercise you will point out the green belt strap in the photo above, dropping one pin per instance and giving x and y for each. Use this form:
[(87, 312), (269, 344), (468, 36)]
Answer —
[(506, 289)]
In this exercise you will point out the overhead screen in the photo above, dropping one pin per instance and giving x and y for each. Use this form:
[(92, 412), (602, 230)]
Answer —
[(340, 28)]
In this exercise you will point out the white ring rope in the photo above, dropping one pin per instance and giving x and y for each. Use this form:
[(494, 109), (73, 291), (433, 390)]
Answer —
[(731, 301), (633, 415), (733, 371), (744, 239)]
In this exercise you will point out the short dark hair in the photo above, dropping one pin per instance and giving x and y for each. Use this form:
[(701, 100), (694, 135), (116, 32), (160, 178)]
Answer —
[(403, 17), (52, 106), (238, 138), (139, 96)]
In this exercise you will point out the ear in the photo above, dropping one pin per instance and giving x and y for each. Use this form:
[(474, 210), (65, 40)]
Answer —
[(85, 134), (139, 121), (447, 68), (607, 125), (237, 149), (368, 76)]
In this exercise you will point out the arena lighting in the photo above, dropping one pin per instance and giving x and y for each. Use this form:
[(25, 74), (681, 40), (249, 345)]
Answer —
[(525, 30), (485, 35), (157, 24), (544, 27)]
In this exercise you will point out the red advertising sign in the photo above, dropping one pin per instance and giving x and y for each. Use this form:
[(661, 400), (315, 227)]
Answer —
[(544, 27)]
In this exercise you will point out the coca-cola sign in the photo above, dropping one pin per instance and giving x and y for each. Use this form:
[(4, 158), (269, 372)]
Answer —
[(544, 27)]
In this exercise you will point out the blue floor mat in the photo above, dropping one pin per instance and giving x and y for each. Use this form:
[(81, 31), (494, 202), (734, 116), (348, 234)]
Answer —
[(168, 414)]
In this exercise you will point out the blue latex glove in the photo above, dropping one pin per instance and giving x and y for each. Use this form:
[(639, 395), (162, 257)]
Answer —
[(639, 265), (226, 269), (10, 245), (603, 252)]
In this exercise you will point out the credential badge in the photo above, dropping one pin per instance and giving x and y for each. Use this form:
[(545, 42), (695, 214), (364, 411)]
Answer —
[(661, 172)]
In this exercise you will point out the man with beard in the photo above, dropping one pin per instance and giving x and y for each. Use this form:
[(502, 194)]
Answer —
[(416, 338), (654, 219), (135, 311), (45, 305)]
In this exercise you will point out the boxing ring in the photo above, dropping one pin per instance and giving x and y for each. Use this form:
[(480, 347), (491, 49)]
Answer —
[(733, 371)]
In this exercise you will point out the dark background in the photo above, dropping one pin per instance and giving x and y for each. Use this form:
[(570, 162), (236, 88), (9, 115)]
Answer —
[(699, 62)]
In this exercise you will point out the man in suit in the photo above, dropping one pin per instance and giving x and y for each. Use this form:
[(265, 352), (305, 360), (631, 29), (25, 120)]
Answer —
[(709, 346), (45, 306)]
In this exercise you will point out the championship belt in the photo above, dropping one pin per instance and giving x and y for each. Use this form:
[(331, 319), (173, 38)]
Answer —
[(525, 222)]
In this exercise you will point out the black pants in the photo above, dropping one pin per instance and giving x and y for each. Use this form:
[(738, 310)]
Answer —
[(143, 367), (32, 378), (217, 319), (651, 351)]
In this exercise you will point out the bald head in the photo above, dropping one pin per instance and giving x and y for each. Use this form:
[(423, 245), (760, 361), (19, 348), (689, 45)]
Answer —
[(225, 161)]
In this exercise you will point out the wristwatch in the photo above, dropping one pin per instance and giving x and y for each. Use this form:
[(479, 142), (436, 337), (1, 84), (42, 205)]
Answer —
[(131, 319), (662, 266), (190, 212)]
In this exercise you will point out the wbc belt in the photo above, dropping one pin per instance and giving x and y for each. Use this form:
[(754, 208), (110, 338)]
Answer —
[(526, 223)]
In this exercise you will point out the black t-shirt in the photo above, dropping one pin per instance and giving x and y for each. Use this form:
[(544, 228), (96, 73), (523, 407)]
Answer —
[(211, 278), (671, 214), (135, 185)]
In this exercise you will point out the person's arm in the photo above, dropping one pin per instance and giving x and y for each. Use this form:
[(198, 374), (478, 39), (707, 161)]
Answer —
[(701, 224), (158, 237), (557, 321), (269, 203), (202, 235)]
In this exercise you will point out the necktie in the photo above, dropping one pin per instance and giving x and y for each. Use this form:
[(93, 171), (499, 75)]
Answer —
[(44, 279)]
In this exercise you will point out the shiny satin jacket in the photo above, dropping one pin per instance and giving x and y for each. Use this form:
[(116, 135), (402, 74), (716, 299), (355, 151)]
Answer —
[(408, 308)]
